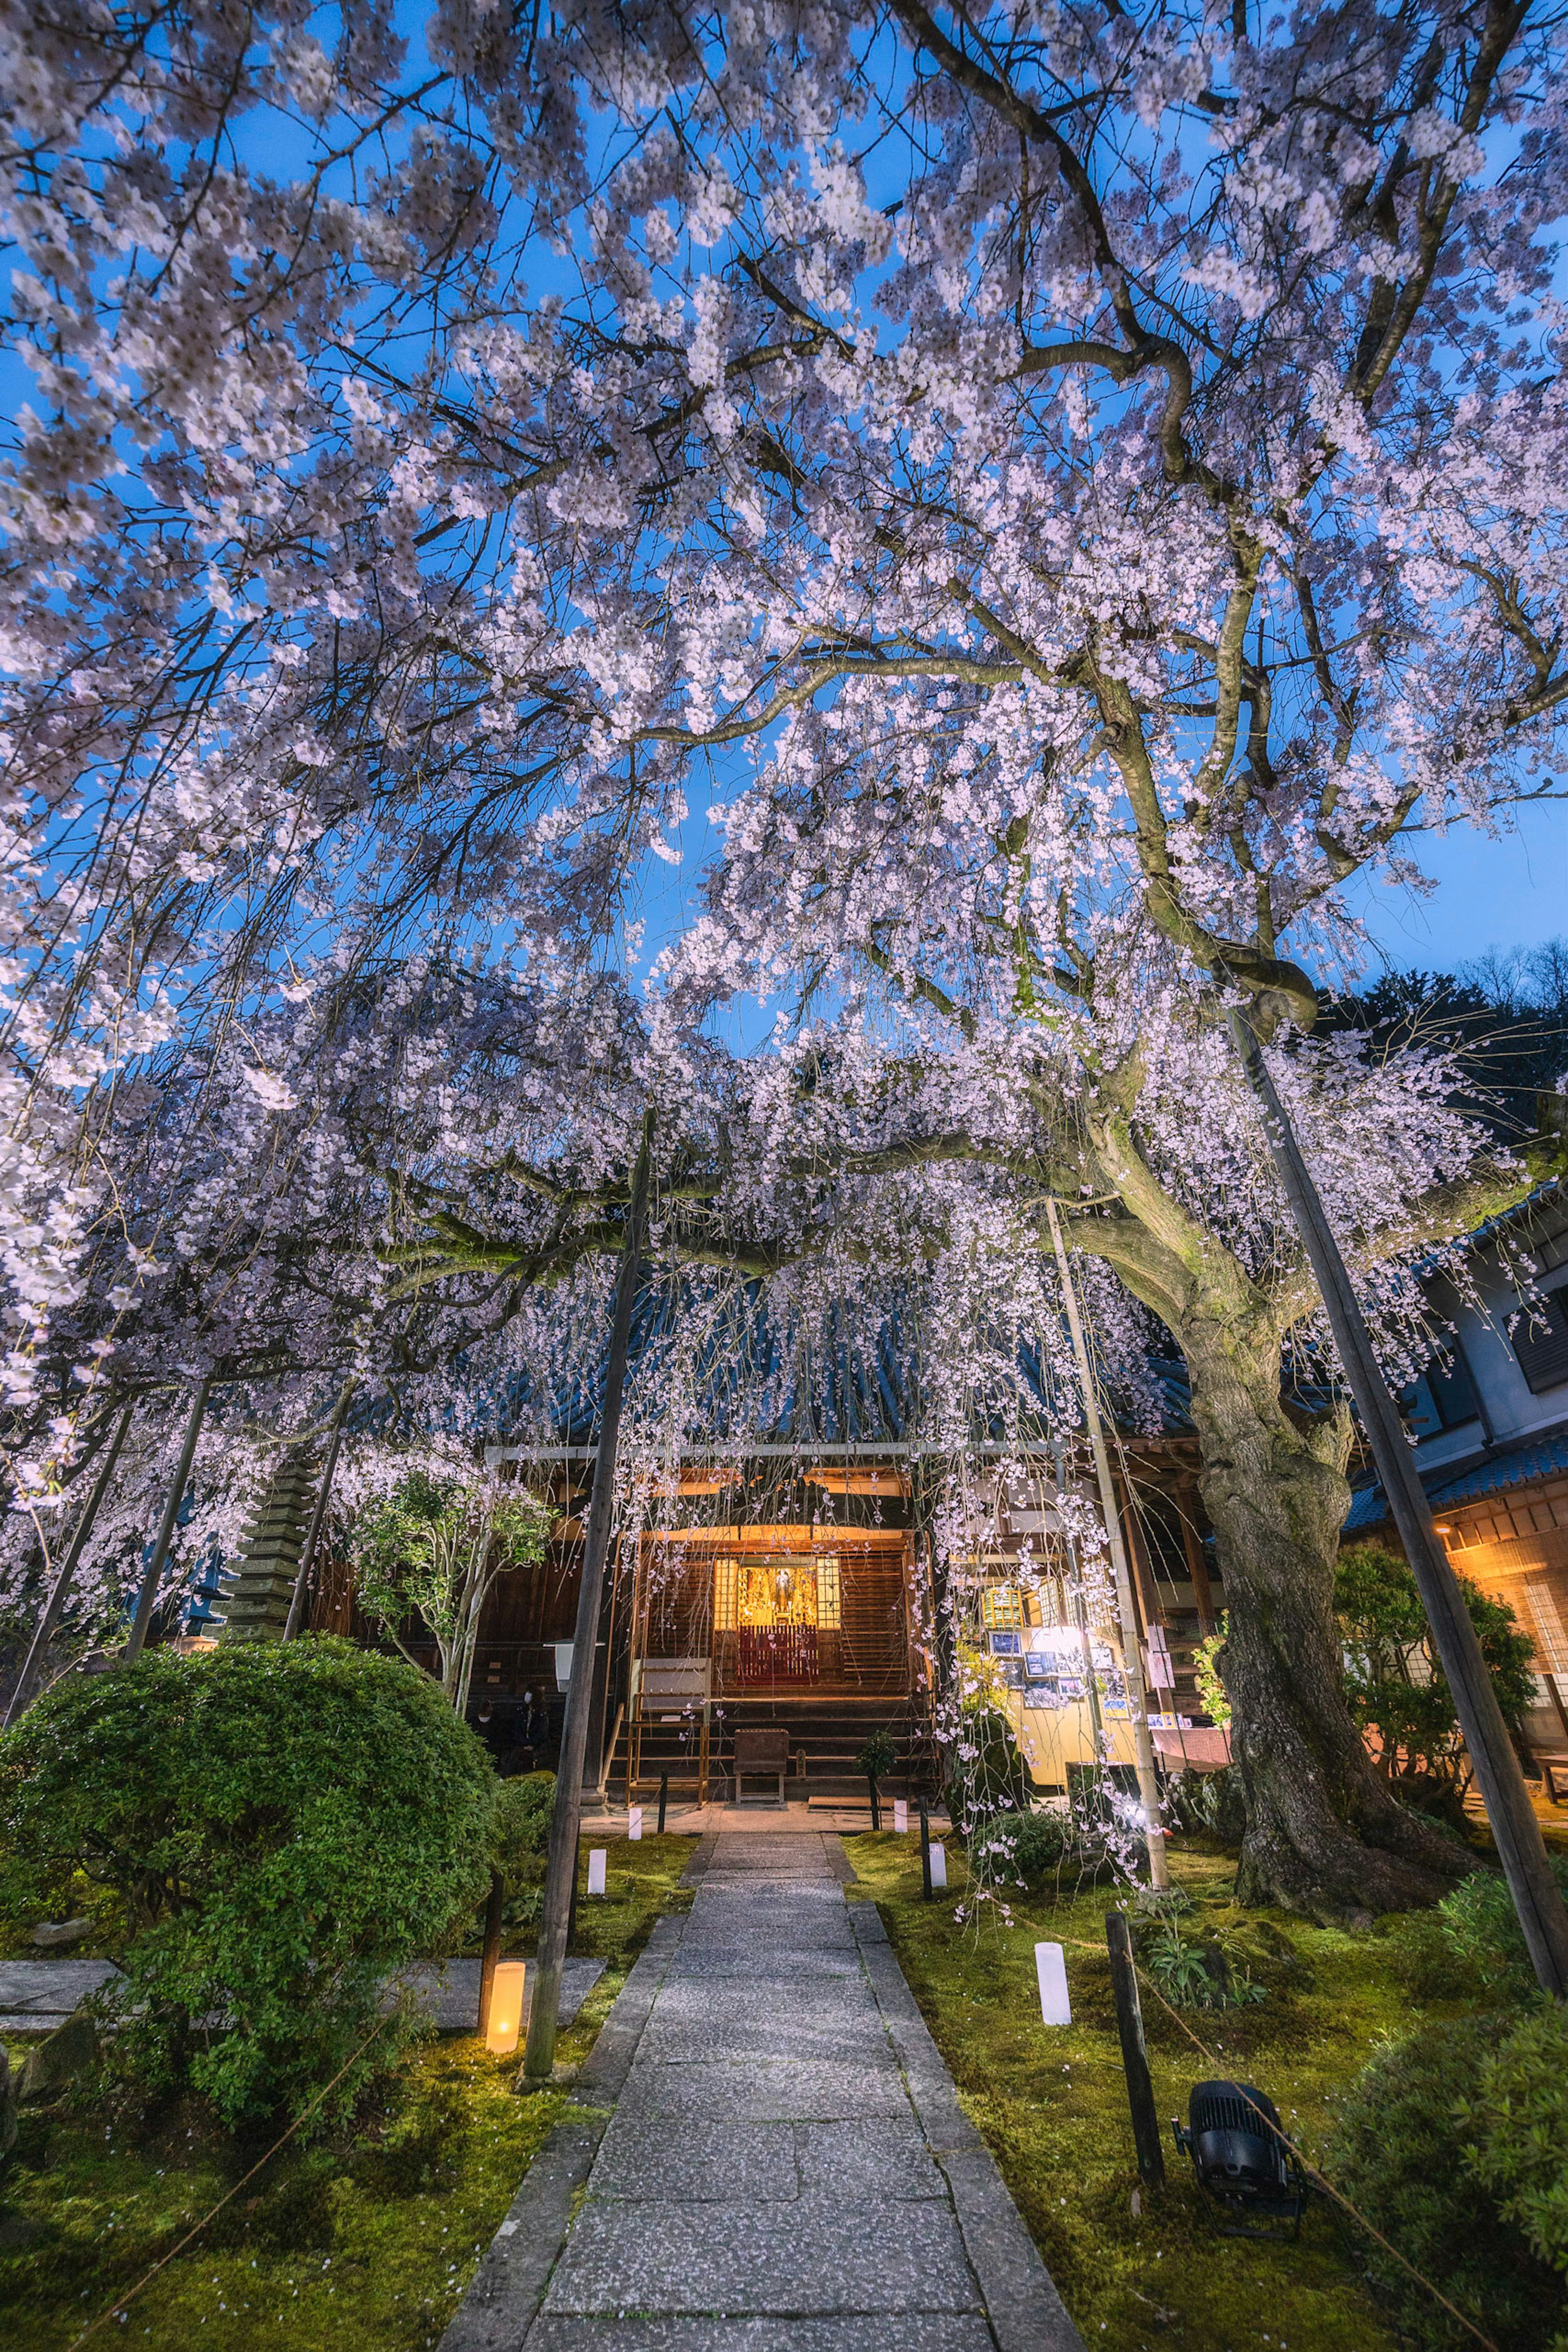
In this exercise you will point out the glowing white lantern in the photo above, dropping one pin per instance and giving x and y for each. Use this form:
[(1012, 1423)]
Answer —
[(596, 1869), (1051, 1967), (900, 1814), (634, 1821), (938, 1865), (505, 2007)]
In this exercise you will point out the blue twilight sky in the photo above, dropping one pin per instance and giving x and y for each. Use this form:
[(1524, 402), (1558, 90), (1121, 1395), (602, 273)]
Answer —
[(1512, 892)]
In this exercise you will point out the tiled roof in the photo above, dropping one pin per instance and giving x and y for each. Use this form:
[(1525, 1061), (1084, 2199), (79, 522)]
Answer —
[(1536, 1457), (1535, 1460)]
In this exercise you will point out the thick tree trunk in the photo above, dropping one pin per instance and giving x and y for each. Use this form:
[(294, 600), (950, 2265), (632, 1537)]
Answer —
[(1324, 1834)]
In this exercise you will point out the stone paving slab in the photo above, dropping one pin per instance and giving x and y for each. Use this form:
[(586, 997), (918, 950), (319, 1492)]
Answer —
[(770, 1907), (783, 1850), (794, 2092), (869, 2158), (811, 2255), (829, 2017), (781, 1964), (712, 2162), (915, 2331), (729, 2163)]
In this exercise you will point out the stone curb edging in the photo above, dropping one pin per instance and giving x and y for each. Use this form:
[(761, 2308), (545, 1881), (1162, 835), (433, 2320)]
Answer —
[(506, 2290), (1026, 2313), (695, 1869)]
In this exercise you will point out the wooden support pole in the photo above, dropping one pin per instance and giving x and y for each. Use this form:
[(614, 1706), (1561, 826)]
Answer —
[(137, 1639), (1520, 1845), (925, 1853), (1135, 2054), (1126, 1608), (490, 1950), (560, 1870), (32, 1665)]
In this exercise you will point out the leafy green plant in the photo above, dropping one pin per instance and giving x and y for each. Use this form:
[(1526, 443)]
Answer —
[(519, 1835), (877, 1758), (1395, 1684), (430, 1552), (1196, 1971), (1040, 1851), (285, 1825), (1470, 1947), (1211, 1690), (1398, 2153), (1519, 2115), (985, 1777)]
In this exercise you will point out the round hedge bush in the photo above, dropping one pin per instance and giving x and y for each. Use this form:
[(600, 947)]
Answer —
[(1404, 2157), (285, 1825)]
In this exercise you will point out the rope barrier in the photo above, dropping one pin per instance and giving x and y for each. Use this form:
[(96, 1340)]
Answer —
[(121, 2301)]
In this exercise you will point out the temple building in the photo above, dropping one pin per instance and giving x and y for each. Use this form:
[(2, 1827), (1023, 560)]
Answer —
[(802, 1593)]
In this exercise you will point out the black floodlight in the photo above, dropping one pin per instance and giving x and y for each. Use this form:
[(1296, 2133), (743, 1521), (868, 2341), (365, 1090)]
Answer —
[(1244, 2168)]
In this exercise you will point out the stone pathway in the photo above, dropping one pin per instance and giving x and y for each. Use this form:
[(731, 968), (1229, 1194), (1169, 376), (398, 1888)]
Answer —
[(785, 2167)]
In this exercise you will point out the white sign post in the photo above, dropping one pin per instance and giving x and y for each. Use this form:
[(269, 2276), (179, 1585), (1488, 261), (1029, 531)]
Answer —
[(596, 1869), (901, 1815), (1051, 1967), (634, 1821), (938, 1865)]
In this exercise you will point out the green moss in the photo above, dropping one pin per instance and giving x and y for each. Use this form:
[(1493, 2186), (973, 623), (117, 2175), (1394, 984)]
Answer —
[(1051, 2101), (365, 2245)]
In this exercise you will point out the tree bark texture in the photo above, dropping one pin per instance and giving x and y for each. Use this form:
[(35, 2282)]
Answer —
[(1324, 1834)]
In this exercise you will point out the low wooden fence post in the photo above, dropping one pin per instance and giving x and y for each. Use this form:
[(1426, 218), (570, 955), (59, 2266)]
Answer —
[(1134, 2056)]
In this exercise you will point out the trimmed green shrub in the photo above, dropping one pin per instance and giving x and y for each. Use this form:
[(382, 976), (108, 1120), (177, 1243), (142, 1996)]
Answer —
[(1213, 1802), (1519, 2117), (520, 1833), (1039, 1849), (285, 1825), (1399, 2154), (1471, 1947)]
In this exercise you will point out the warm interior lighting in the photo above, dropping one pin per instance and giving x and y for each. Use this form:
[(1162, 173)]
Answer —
[(506, 2008), (1440, 1529), (859, 1482)]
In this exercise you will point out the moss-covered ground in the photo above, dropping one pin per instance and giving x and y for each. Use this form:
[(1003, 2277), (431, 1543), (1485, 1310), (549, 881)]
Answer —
[(364, 2243), (1139, 2269)]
